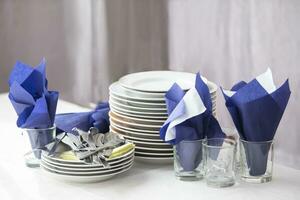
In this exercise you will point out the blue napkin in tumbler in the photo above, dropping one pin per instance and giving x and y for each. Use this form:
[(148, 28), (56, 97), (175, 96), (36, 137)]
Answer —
[(190, 118), (33, 103), (84, 120), (256, 109)]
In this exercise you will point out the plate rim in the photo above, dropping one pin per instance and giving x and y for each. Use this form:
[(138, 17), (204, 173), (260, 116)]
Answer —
[(84, 166), (143, 134), (138, 116), (84, 178), (88, 174), (81, 162), (111, 101), (134, 124), (127, 77), (84, 170), (138, 119), (136, 130)]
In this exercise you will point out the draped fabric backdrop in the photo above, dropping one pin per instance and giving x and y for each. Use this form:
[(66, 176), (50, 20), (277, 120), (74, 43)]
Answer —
[(89, 44)]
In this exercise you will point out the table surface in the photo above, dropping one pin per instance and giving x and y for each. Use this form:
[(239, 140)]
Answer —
[(143, 181)]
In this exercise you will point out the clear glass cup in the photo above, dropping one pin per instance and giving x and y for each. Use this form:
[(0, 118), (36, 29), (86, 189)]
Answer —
[(38, 138), (220, 156), (256, 161), (188, 160)]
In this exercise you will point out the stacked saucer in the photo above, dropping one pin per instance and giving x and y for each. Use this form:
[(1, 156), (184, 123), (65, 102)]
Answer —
[(78, 171), (138, 110)]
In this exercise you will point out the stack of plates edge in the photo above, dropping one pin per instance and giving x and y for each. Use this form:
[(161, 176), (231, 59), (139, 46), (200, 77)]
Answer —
[(138, 110), (78, 171)]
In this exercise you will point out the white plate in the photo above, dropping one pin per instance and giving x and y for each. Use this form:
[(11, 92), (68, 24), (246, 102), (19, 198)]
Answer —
[(137, 120), (73, 173), (137, 103), (117, 90), (150, 144), (86, 166), (163, 155), (79, 162), (141, 113), (152, 150), (84, 179), (139, 109), (122, 112), (134, 134), (154, 132), (86, 170), (161, 81), (154, 160), (157, 81), (134, 125), (140, 139)]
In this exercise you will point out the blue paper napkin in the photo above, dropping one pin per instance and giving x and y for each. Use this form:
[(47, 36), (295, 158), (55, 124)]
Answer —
[(28, 93), (190, 119), (84, 120), (190, 114), (33, 103), (256, 109)]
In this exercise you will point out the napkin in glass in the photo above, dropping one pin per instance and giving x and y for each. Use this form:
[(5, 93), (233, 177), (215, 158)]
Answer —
[(33, 103), (190, 118), (256, 109)]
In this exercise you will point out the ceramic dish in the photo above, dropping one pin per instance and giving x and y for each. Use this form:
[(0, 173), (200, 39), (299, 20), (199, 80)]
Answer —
[(137, 103), (137, 108), (74, 173), (87, 170), (122, 112), (81, 163), (142, 135), (83, 179), (125, 128), (134, 125), (137, 120)]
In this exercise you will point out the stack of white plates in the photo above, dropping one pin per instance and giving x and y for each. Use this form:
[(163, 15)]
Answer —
[(78, 171), (138, 110)]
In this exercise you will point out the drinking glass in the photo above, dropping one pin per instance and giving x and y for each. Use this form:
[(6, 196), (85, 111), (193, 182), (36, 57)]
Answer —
[(188, 160), (38, 138), (220, 154), (256, 161)]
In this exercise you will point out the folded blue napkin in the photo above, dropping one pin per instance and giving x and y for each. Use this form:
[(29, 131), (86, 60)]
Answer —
[(33, 103), (190, 118), (256, 109), (97, 118)]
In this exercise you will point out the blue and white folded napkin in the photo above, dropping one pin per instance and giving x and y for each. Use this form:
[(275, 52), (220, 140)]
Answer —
[(190, 119), (256, 109), (97, 118), (190, 114)]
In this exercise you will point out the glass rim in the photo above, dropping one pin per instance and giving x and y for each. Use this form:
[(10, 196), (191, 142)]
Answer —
[(232, 145), (254, 142), (190, 141), (41, 129)]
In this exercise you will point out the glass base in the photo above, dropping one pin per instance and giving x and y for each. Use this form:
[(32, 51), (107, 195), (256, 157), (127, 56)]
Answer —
[(189, 176), (220, 182), (31, 161), (257, 179)]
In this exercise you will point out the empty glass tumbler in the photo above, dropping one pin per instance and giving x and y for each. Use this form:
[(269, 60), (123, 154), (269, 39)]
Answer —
[(188, 160), (38, 139), (220, 156), (256, 159)]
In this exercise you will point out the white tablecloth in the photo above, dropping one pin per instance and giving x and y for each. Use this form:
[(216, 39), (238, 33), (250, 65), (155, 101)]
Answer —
[(143, 181)]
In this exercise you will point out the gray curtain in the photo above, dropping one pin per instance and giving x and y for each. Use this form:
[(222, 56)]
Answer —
[(89, 44)]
